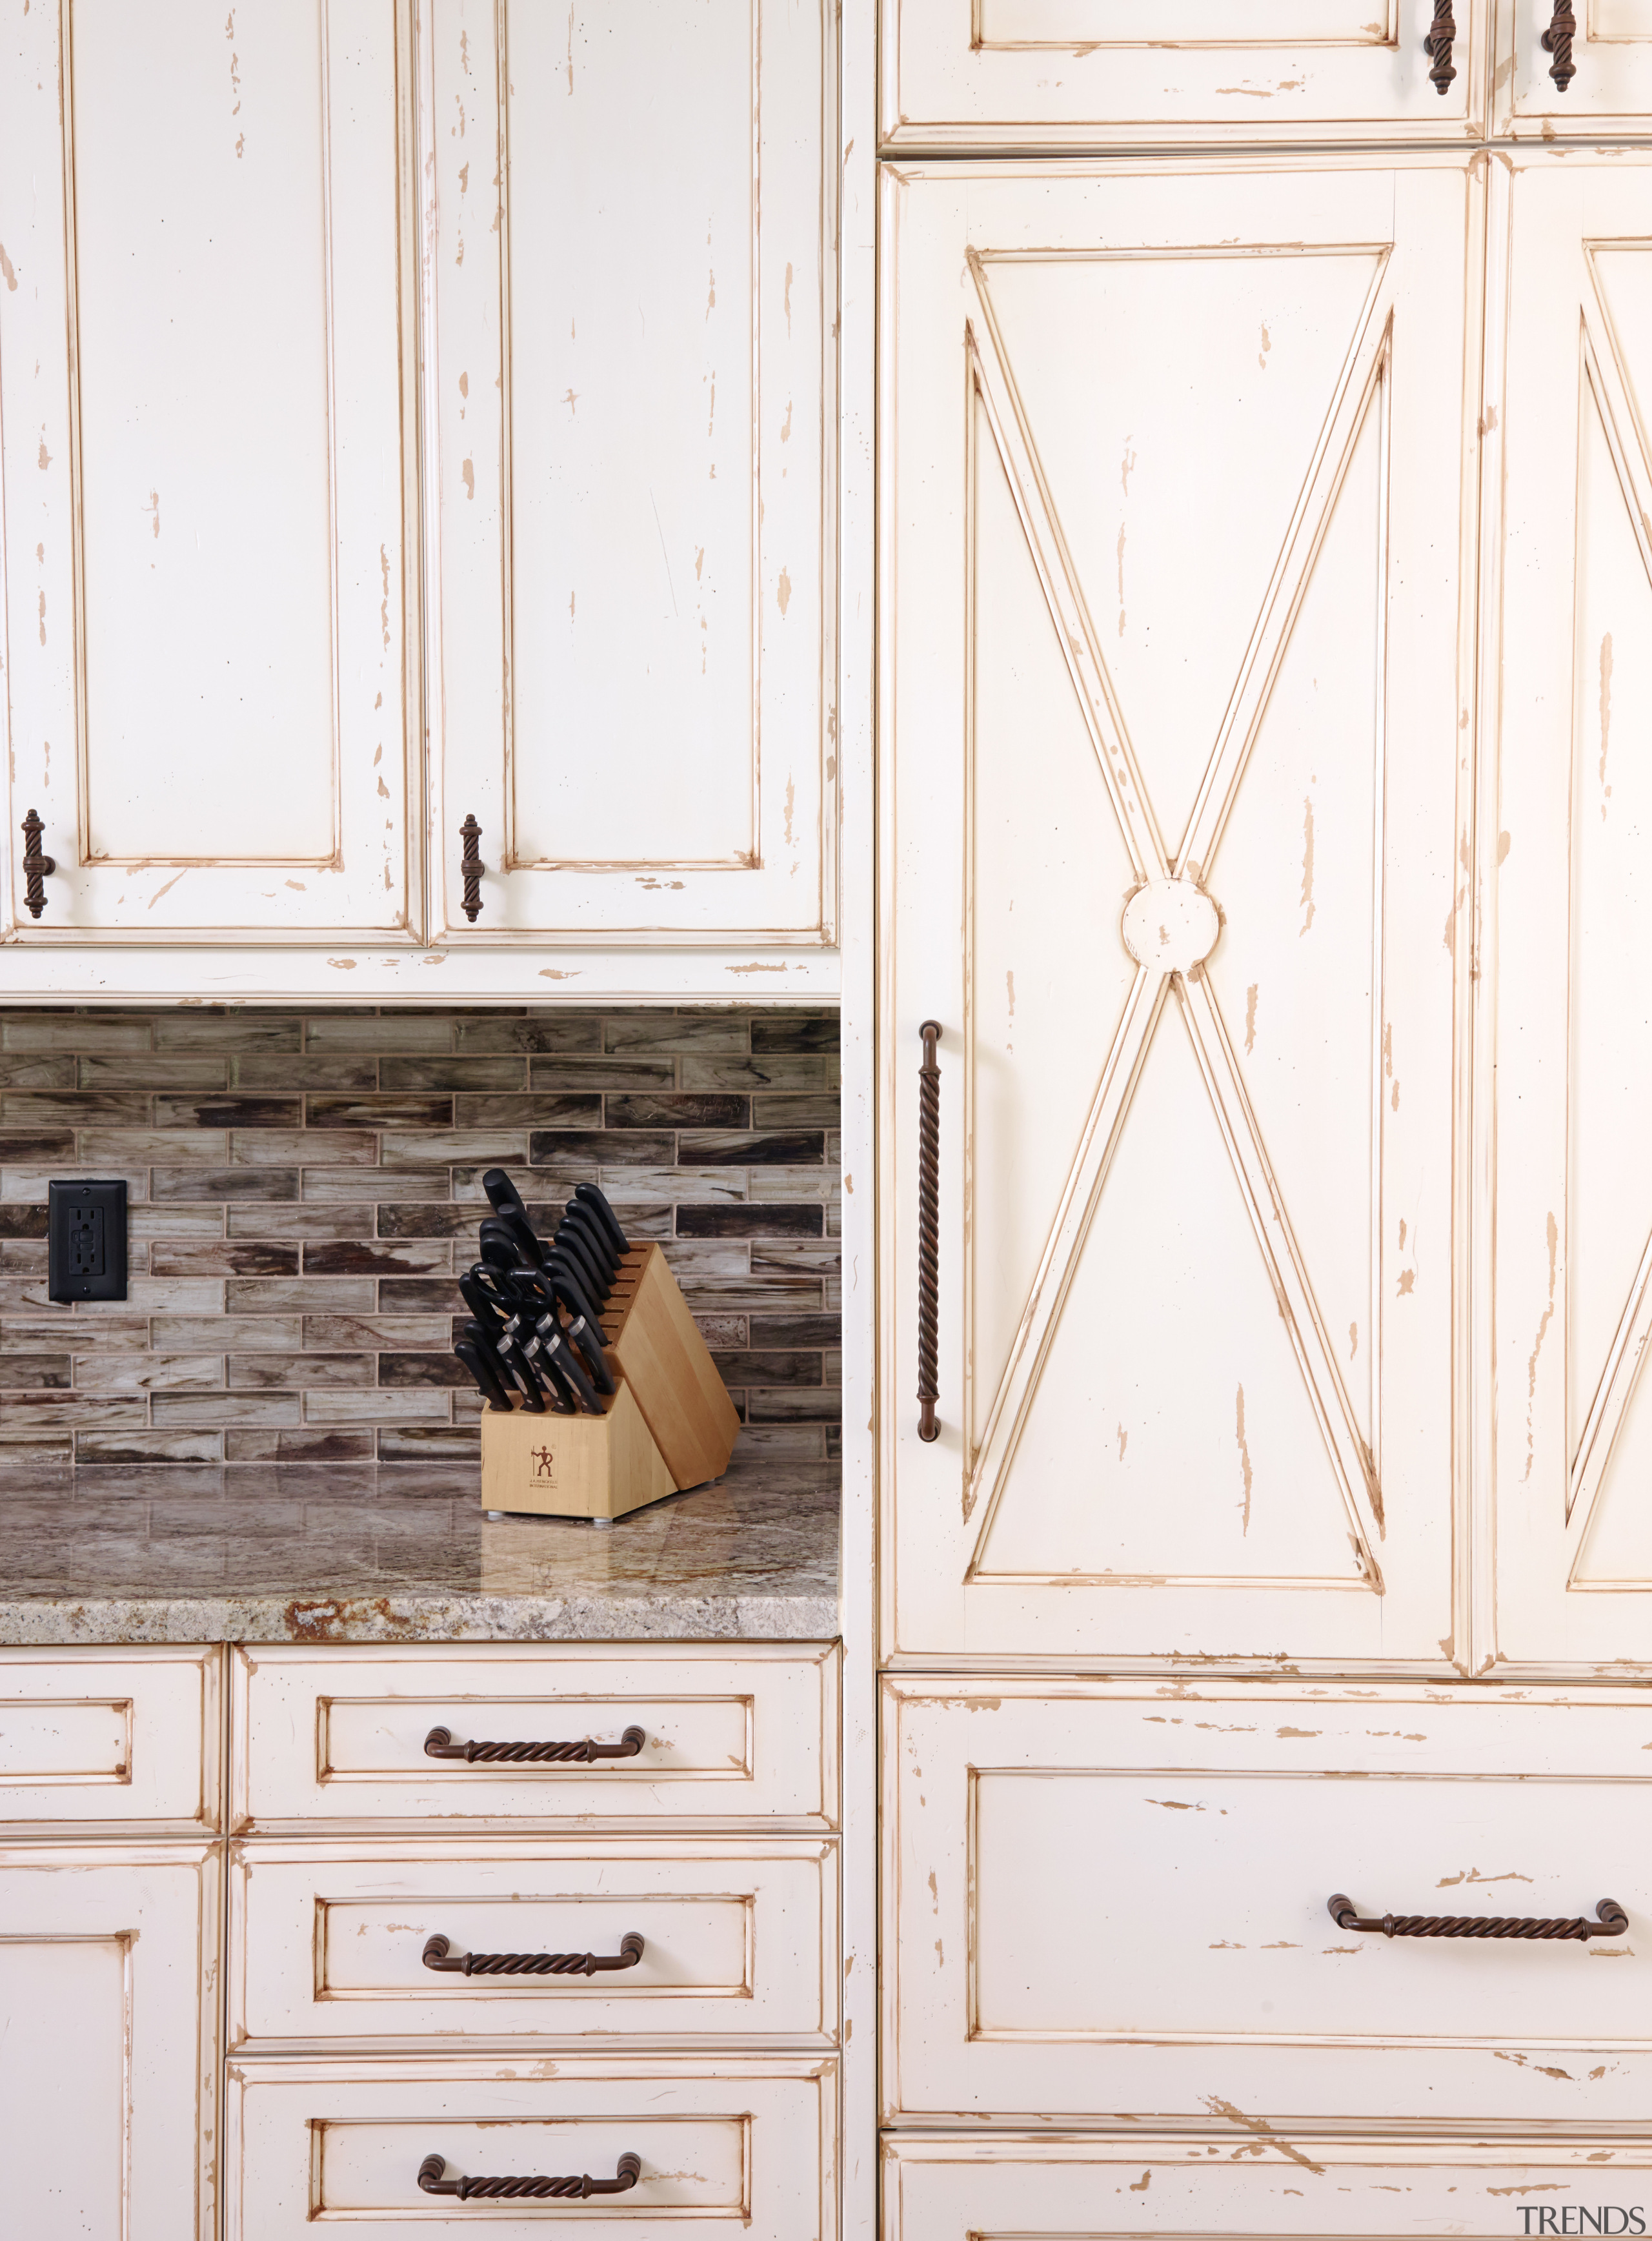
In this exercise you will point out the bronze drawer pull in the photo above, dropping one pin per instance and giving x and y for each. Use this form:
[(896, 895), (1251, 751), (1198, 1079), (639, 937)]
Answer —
[(626, 2174), (1437, 46), (439, 1955), (1613, 1922), (929, 1227), (439, 1743), (1557, 41), (37, 868), (471, 867)]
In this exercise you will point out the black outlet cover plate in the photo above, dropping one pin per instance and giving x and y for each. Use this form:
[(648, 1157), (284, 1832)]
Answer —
[(86, 1227)]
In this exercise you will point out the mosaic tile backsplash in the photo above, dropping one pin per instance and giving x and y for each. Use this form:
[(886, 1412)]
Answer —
[(304, 1185)]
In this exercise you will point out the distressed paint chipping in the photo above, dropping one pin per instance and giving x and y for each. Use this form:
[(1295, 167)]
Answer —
[(468, 471), (1244, 1455), (1354, 1339), (7, 272), (1262, 355), (783, 594), (1307, 864), (1606, 716), (1250, 1017), (1553, 1230)]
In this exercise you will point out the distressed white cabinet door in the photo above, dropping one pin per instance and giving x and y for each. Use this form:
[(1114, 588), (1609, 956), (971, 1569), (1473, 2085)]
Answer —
[(108, 2041), (1235, 2181), (1573, 675), (1014, 74), (630, 275), (1171, 779), (1611, 91), (209, 513)]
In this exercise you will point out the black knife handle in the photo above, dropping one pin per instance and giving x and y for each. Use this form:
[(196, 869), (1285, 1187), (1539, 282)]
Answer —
[(578, 1248), (580, 1222), (570, 1285), (488, 1380), (577, 1338), (522, 1369), (502, 1193), (929, 1228), (568, 1364), (589, 1194)]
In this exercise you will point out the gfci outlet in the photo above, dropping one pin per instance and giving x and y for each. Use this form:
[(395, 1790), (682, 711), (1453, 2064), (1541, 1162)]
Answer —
[(87, 1229)]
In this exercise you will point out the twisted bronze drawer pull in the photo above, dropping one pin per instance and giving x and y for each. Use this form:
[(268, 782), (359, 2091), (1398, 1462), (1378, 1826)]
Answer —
[(1557, 41), (928, 1229), (1613, 1922), (438, 1954), (439, 1743), (1437, 46), (626, 2174)]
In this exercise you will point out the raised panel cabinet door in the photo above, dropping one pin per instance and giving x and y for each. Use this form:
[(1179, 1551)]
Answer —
[(1605, 62), (1070, 74), (205, 379), (118, 1739), (1113, 1902), (1571, 680), (109, 2042), (1234, 2180), (1175, 786), (631, 304)]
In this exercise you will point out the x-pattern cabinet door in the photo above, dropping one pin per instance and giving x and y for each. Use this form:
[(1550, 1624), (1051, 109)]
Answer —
[(1573, 677), (1175, 777)]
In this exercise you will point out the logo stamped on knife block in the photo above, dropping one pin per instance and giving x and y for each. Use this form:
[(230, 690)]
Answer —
[(542, 1459)]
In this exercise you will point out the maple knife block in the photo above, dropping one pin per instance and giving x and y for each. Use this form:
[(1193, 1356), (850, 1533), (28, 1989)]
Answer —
[(669, 1425)]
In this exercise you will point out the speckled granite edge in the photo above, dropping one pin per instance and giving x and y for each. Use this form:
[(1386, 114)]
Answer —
[(55, 1623)]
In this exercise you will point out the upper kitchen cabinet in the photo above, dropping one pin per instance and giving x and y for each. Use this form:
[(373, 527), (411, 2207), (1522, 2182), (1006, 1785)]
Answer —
[(207, 403), (1571, 681), (631, 323), (1070, 74), (1572, 67), (1177, 472)]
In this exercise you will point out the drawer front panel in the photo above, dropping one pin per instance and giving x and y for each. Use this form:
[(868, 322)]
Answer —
[(127, 1737), (738, 1941), (1115, 1899), (747, 2151), (335, 1737), (947, 2190), (1073, 74)]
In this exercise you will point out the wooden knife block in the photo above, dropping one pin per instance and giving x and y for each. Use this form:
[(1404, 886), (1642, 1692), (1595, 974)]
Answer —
[(669, 1425)]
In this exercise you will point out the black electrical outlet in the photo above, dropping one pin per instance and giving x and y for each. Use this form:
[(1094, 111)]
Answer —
[(87, 1229)]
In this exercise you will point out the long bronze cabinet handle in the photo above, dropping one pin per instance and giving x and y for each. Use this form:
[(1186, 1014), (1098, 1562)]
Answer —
[(1557, 41), (432, 2180), (438, 1954), (1613, 1922), (928, 1229), (439, 1743)]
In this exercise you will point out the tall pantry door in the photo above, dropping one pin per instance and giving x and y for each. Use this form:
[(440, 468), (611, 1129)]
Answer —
[(1573, 679), (1176, 761)]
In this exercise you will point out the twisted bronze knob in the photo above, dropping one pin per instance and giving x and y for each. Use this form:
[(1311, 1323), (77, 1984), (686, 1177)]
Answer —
[(471, 865), (1442, 32), (1557, 41), (37, 868)]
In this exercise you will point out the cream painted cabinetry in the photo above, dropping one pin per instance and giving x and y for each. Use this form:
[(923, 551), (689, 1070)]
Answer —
[(1178, 575), (1100, 74), (380, 452)]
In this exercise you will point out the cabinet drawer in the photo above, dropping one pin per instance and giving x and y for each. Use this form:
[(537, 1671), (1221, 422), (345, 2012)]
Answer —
[(749, 2149), (126, 1737), (1114, 1898), (946, 2189), (739, 1941), (1072, 74), (341, 1737)]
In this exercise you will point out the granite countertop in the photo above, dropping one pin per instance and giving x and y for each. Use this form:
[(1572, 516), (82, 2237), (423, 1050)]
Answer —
[(327, 1553)]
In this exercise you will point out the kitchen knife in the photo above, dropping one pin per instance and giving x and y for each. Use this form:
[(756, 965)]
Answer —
[(509, 1352), (577, 1253), (489, 1382), (515, 1232), (589, 1195), (502, 1192), (586, 1334), (560, 1270), (583, 1225), (568, 1365)]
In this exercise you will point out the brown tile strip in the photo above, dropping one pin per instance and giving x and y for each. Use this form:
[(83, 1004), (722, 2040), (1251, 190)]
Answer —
[(304, 1188)]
